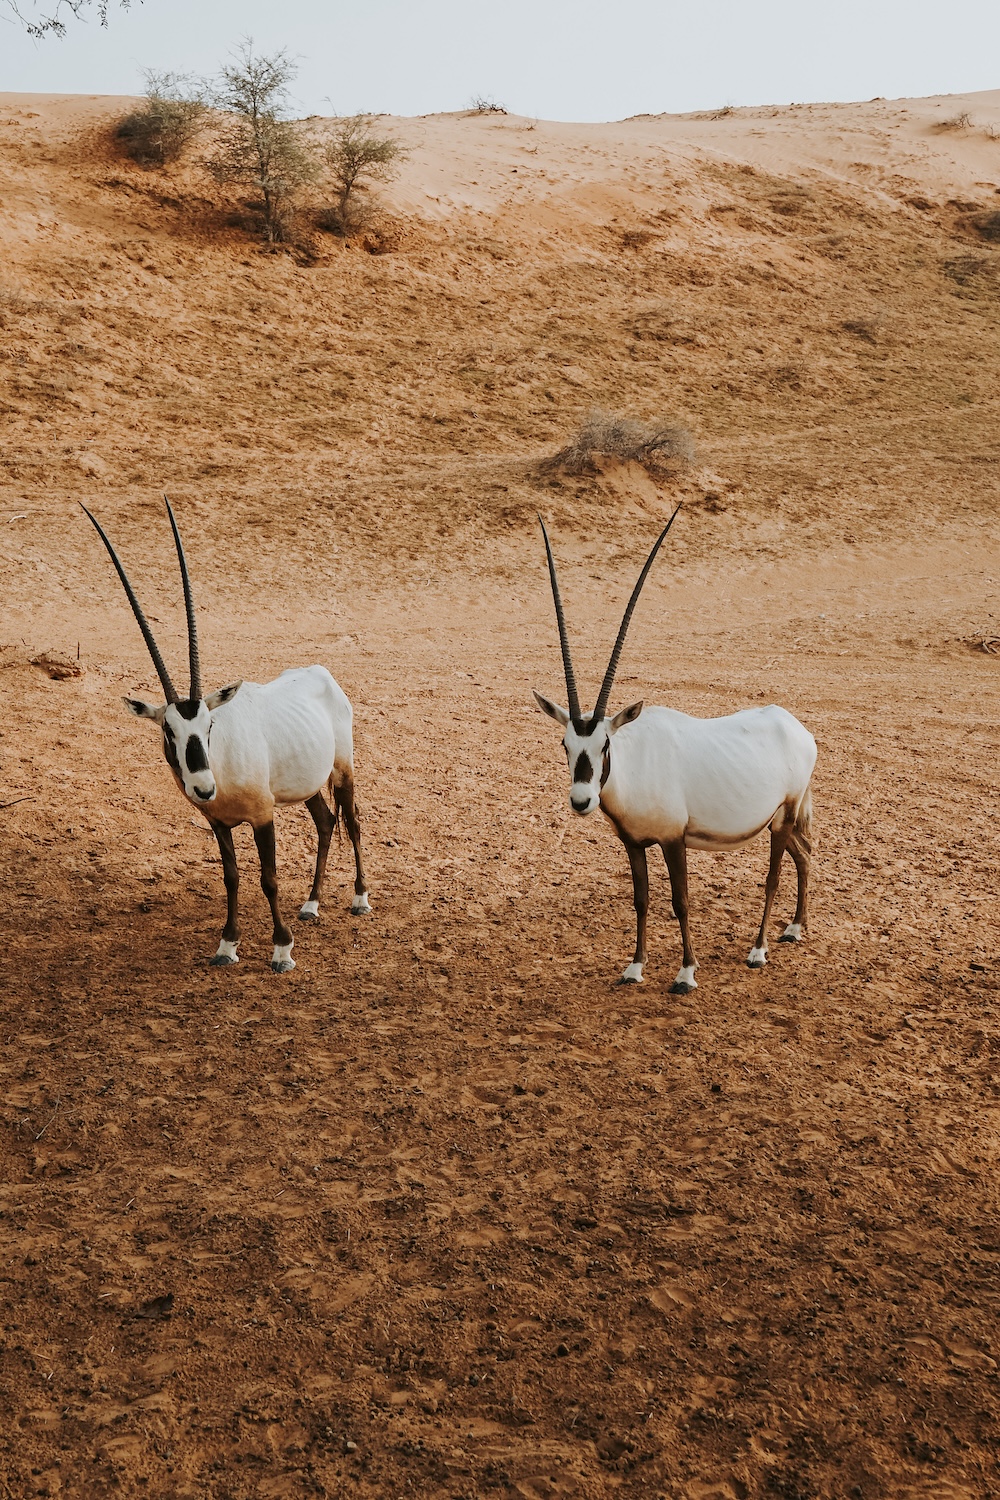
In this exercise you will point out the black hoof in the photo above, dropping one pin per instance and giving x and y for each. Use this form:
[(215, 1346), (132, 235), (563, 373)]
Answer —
[(786, 938), (221, 961), (308, 916), (282, 966), (759, 965), (680, 988)]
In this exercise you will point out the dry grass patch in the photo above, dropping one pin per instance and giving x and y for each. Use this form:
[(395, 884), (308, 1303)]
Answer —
[(660, 447)]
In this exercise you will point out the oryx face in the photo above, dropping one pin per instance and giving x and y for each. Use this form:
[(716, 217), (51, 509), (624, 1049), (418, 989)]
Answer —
[(187, 730), (588, 751)]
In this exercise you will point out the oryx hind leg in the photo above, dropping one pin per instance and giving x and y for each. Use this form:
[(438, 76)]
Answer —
[(281, 959), (325, 824), (676, 859), (800, 848), (226, 951), (344, 797)]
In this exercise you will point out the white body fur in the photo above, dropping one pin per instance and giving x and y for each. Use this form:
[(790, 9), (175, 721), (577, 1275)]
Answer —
[(715, 783), (277, 742)]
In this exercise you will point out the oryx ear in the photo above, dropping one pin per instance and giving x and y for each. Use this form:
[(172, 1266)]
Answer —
[(222, 695), (626, 716), (145, 710), (553, 710)]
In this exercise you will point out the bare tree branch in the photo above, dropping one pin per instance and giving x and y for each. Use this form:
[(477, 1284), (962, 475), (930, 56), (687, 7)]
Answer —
[(50, 19)]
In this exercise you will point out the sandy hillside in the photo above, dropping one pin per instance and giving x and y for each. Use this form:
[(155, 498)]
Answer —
[(442, 1212)]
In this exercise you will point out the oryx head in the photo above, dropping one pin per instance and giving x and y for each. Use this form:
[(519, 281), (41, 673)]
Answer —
[(186, 722), (587, 740)]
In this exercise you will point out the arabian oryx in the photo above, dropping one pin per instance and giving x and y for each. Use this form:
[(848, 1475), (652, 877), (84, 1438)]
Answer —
[(664, 778), (241, 750)]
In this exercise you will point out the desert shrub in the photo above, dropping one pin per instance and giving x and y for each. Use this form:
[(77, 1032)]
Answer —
[(635, 239), (257, 148), (356, 156), (168, 121), (958, 122), (862, 328), (987, 226), (658, 446), (485, 104)]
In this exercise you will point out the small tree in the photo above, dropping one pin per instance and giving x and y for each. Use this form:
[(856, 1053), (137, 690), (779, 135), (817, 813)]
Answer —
[(356, 156), (169, 120), (258, 148)]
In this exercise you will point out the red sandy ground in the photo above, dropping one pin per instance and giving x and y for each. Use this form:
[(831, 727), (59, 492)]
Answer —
[(442, 1213)]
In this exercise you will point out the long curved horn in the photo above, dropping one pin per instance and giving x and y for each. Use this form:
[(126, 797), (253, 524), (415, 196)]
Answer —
[(571, 692), (188, 609), (147, 634), (609, 676)]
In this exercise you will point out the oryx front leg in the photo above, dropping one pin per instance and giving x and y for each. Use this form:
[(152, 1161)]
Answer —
[(800, 848), (226, 952), (676, 860), (344, 796), (324, 820), (757, 957), (281, 959), (640, 887)]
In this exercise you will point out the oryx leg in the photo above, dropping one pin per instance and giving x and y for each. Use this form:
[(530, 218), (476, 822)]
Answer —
[(325, 822), (780, 837), (226, 953), (640, 887), (344, 798), (676, 858), (281, 959), (800, 848)]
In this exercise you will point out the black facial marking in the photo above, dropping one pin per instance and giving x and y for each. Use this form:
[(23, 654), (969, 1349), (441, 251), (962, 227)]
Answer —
[(170, 750), (195, 755), (606, 762), (189, 708), (584, 769)]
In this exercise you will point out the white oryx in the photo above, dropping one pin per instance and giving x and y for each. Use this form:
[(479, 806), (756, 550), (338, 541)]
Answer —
[(238, 752), (662, 777)]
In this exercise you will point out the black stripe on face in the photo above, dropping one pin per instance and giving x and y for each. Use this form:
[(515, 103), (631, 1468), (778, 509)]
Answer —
[(584, 769), (195, 755), (170, 749)]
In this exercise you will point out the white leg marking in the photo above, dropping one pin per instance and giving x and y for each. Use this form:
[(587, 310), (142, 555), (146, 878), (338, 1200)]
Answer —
[(359, 906), (757, 958), (792, 933), (685, 981), (308, 911), (632, 975), (282, 960), (225, 954)]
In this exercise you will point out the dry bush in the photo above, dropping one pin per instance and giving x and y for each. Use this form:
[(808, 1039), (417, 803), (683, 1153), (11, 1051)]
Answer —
[(485, 104), (660, 447), (976, 276), (356, 156), (863, 328), (257, 148), (987, 226), (170, 119), (958, 122), (636, 239)]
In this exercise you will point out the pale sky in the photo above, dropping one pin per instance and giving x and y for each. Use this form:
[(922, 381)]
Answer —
[(551, 59)]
